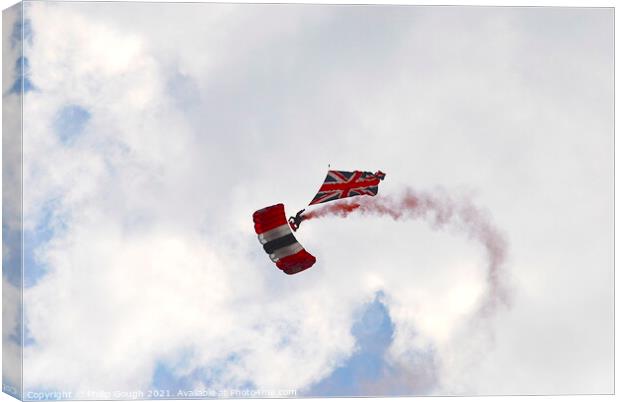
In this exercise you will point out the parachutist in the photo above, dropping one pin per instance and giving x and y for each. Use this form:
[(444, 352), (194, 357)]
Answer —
[(296, 220)]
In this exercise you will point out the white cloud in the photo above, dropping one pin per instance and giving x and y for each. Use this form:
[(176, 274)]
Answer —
[(11, 210), (11, 350)]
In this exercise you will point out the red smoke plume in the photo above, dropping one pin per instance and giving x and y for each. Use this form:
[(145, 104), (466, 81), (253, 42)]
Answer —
[(439, 210)]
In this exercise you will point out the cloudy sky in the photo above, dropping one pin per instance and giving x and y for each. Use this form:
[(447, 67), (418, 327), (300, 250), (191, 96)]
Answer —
[(153, 131)]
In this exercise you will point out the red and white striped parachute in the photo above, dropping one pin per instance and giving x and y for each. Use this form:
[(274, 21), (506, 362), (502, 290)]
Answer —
[(276, 236)]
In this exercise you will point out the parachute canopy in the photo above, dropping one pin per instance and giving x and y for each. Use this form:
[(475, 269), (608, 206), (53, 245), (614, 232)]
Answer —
[(341, 184), (276, 236)]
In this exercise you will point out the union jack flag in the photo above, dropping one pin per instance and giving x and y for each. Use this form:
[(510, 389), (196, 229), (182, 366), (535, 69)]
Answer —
[(340, 184)]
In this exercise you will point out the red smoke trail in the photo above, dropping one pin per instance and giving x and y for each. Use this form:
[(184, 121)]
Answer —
[(439, 210)]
